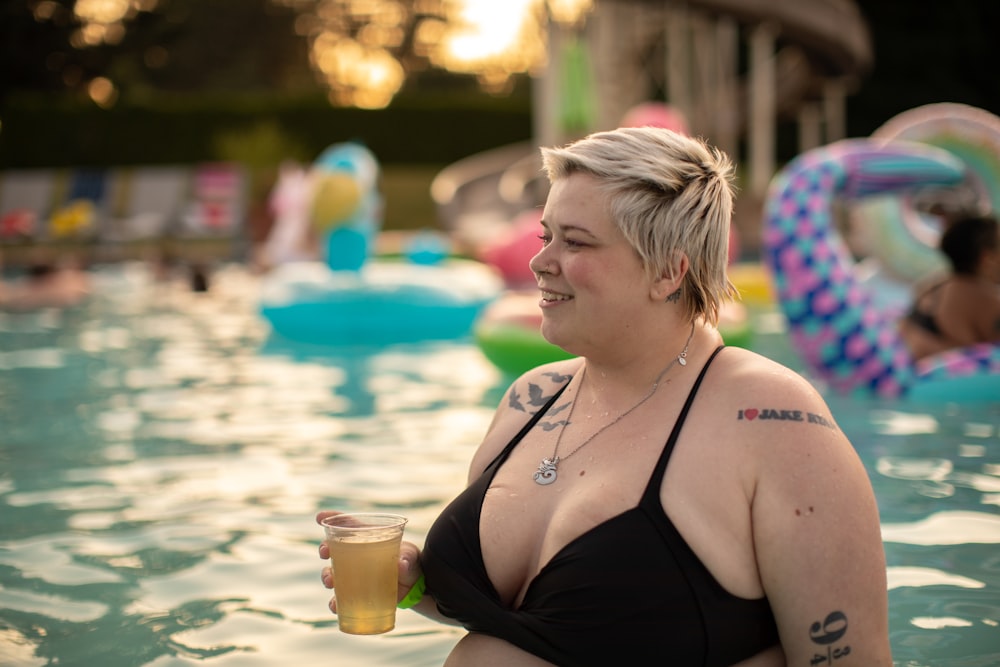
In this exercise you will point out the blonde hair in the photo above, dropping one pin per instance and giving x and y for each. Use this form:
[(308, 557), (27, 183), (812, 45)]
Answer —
[(668, 194)]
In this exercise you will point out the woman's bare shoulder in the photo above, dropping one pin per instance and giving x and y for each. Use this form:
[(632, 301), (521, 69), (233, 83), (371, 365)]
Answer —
[(747, 372), (763, 399)]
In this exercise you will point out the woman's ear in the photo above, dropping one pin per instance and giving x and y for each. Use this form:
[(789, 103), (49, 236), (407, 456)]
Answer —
[(668, 285)]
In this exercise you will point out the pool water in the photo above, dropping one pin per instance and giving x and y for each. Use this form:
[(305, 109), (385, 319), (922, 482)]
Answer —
[(162, 457)]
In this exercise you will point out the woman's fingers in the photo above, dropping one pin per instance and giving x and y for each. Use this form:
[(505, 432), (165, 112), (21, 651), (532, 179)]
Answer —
[(324, 551), (409, 567), (326, 574), (324, 514)]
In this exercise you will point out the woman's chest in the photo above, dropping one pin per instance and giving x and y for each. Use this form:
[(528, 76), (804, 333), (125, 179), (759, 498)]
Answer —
[(524, 524), (696, 483)]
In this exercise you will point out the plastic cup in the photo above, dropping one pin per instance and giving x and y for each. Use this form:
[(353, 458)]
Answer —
[(364, 552)]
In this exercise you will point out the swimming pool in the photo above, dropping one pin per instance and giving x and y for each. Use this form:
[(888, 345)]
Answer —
[(161, 459)]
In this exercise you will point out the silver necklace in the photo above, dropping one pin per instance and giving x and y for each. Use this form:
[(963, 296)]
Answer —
[(548, 468)]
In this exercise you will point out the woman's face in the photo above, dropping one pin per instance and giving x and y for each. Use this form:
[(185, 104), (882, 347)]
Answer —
[(592, 281)]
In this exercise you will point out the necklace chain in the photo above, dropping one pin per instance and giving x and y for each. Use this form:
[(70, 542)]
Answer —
[(547, 469)]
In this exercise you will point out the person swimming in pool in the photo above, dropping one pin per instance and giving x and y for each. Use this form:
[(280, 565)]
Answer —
[(47, 282), (660, 494), (964, 308)]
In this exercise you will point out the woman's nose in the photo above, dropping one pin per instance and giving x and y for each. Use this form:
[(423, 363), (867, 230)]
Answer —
[(542, 262)]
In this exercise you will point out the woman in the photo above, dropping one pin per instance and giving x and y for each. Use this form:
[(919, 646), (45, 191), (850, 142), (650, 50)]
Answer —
[(963, 309), (751, 537)]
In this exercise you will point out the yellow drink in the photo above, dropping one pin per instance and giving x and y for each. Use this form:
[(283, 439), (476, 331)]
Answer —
[(365, 562)]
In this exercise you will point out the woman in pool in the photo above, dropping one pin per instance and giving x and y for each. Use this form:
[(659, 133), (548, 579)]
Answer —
[(964, 308), (660, 495)]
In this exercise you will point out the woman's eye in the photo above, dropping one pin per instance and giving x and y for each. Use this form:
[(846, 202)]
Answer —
[(571, 243)]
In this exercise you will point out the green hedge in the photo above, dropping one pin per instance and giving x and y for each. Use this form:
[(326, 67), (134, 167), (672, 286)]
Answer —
[(259, 131)]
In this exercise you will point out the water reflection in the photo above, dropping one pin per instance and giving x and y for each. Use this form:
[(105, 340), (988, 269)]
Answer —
[(161, 459), (925, 576), (938, 484), (949, 527)]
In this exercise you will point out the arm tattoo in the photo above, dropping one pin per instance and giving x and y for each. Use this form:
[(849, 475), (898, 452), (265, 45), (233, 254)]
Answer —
[(558, 378), (514, 400), (537, 397), (750, 414), (549, 425), (826, 635)]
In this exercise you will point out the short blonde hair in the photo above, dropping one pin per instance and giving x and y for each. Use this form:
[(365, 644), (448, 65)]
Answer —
[(668, 194)]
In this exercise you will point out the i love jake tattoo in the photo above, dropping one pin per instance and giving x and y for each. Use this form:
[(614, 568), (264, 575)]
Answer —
[(765, 414)]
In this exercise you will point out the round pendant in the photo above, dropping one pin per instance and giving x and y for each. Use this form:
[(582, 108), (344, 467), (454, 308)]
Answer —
[(546, 473)]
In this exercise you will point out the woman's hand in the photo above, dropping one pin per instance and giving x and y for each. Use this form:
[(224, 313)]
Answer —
[(409, 564), (326, 575)]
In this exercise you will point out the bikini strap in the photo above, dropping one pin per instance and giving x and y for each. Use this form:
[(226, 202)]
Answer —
[(652, 491)]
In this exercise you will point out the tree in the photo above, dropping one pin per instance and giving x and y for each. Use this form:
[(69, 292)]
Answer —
[(222, 46)]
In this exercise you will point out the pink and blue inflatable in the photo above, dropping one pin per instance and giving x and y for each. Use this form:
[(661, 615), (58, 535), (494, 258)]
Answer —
[(835, 321)]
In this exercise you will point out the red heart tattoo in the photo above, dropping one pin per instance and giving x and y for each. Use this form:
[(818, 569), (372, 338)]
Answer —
[(751, 413)]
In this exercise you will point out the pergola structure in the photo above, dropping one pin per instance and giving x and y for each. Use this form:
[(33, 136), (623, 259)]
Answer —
[(733, 68)]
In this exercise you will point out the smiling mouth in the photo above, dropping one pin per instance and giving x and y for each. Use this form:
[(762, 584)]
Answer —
[(553, 296)]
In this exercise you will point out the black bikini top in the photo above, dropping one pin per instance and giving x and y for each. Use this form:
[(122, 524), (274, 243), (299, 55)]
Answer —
[(627, 589)]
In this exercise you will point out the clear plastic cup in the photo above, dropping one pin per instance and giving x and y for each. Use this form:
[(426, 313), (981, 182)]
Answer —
[(364, 553)]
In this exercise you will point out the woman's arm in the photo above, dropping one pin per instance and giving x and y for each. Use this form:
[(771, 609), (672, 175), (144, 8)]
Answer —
[(817, 539)]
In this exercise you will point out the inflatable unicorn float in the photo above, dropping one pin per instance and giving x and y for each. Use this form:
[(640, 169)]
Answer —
[(348, 297), (837, 321)]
